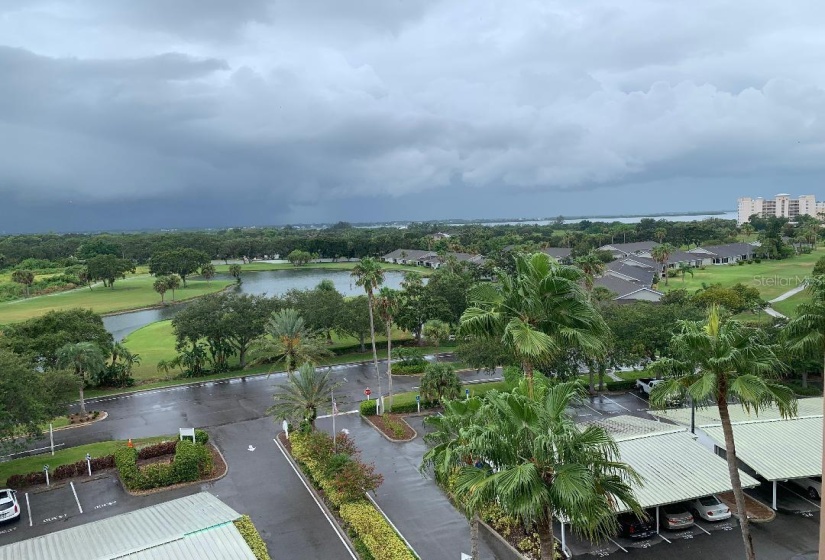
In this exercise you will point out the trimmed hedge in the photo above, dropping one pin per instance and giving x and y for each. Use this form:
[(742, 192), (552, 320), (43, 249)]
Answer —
[(620, 385), (403, 403), (373, 530), (252, 537), (62, 472), (191, 461), (408, 369)]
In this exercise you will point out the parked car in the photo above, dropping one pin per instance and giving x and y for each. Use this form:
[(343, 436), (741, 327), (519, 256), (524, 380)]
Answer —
[(675, 517), (709, 508), (646, 384), (812, 486), (9, 508), (634, 528)]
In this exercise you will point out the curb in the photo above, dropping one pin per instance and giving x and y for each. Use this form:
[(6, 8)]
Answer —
[(342, 534), (139, 493), (388, 438), (102, 416)]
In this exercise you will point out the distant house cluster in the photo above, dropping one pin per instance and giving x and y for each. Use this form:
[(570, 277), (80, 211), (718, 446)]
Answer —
[(632, 274), (429, 259)]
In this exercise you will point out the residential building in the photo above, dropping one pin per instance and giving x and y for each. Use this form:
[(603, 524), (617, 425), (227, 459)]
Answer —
[(723, 254), (430, 259), (781, 206), (561, 254)]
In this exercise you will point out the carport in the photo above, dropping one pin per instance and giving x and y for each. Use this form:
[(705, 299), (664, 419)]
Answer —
[(776, 450), (673, 466)]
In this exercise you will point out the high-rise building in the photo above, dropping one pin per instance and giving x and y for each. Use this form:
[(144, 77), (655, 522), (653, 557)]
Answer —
[(781, 206)]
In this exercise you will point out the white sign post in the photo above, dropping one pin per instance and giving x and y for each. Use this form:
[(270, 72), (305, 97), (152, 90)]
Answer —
[(51, 436), (89, 463), (187, 432), (46, 470), (418, 402), (285, 426)]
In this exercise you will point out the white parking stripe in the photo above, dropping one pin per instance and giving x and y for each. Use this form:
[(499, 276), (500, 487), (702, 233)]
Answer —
[(617, 404), (28, 507), (75, 497), (617, 544), (661, 536), (792, 491), (702, 528), (638, 397), (597, 412)]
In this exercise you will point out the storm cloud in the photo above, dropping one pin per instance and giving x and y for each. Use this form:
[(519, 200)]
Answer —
[(209, 113)]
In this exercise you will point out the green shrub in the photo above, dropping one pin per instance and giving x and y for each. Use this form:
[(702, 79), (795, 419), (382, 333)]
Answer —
[(252, 537), (408, 369), (377, 535), (620, 385), (395, 426), (191, 461), (809, 391), (201, 437)]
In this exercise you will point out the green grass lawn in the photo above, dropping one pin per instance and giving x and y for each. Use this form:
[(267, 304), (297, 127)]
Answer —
[(132, 293), (788, 306), (156, 342), (771, 278), (26, 465)]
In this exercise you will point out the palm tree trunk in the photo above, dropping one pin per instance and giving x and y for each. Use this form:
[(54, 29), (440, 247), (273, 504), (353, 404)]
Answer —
[(82, 400), (474, 537), (389, 359), (527, 366), (374, 350), (547, 540), (822, 518), (733, 469)]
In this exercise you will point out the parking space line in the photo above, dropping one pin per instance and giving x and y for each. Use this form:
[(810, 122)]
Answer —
[(617, 404), (594, 410), (617, 544), (792, 491), (75, 497), (661, 536), (314, 499), (702, 528), (638, 397), (29, 508)]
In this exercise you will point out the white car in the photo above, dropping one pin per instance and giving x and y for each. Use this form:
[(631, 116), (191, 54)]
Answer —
[(812, 486), (9, 508), (709, 508)]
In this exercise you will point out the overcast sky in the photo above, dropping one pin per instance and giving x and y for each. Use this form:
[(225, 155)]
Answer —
[(188, 113)]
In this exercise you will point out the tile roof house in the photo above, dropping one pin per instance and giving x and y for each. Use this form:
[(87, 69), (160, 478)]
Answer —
[(620, 250), (724, 254), (561, 254), (626, 290)]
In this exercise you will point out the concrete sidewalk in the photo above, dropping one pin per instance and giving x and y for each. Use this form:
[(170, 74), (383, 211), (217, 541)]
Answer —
[(414, 503)]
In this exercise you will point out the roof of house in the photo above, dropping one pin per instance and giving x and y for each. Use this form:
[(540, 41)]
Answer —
[(623, 288), (725, 251), (408, 254), (174, 530), (777, 449), (558, 252), (682, 256), (630, 248), (673, 466), (642, 274)]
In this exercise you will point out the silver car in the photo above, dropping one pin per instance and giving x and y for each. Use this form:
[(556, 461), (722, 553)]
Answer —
[(9, 508), (709, 508), (675, 517), (812, 486)]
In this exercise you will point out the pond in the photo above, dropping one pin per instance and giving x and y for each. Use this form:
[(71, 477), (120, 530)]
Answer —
[(268, 282)]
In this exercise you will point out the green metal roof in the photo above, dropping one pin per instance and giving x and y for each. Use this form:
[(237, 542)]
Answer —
[(179, 529)]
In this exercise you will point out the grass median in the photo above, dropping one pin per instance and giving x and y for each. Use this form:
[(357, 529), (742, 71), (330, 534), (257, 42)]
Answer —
[(26, 465)]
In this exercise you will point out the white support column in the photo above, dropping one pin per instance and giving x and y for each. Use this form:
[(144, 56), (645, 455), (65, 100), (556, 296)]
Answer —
[(657, 520), (774, 495), (563, 539)]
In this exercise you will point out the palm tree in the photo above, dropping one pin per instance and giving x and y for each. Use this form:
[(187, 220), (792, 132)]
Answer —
[(685, 268), (717, 359), (747, 230), (369, 275), (388, 302), (806, 334), (660, 234), (173, 283), (304, 393), (288, 338), (538, 313), (661, 254), (592, 266), (235, 271), (546, 467), (448, 437), (436, 331), (208, 271), (25, 277), (161, 285), (87, 361)]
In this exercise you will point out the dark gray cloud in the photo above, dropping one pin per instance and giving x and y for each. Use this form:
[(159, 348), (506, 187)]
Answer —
[(294, 111)]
